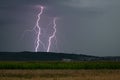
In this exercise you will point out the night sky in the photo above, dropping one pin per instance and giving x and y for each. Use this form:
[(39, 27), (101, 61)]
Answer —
[(84, 26)]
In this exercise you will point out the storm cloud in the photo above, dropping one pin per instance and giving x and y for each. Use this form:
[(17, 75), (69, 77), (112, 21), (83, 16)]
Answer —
[(84, 26)]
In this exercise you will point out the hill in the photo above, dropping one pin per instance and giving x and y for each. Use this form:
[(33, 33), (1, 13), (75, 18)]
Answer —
[(44, 56)]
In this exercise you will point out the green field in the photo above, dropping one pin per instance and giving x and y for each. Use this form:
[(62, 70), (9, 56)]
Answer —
[(59, 65)]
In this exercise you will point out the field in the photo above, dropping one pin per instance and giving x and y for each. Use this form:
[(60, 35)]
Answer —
[(59, 74), (59, 65), (15, 70)]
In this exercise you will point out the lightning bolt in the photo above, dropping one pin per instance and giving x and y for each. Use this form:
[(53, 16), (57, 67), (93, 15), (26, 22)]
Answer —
[(38, 41), (37, 29), (52, 36)]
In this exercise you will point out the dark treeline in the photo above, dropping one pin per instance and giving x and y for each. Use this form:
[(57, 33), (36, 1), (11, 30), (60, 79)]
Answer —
[(44, 56)]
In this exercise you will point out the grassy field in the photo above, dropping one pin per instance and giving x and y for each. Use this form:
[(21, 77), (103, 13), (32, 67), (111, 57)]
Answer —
[(59, 74), (59, 65), (14, 70)]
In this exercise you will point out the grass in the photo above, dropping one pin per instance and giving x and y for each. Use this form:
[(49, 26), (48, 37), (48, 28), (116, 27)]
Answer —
[(13, 70), (59, 65), (59, 74)]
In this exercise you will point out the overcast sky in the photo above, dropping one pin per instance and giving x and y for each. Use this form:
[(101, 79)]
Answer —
[(84, 26)]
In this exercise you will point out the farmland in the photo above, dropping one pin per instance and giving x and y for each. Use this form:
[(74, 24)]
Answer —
[(58, 65), (59, 74), (40, 66), (59, 70)]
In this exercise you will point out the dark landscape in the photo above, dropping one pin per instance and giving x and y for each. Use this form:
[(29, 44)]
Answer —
[(57, 66), (44, 60), (49, 56)]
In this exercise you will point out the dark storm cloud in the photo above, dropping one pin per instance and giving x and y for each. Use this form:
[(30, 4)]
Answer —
[(59, 7), (10, 10), (9, 15), (5, 22), (87, 26), (2, 23), (25, 2)]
